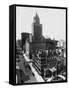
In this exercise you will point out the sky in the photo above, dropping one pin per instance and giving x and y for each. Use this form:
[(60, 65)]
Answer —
[(53, 21)]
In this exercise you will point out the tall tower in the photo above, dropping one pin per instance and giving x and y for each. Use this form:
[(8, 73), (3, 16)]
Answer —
[(37, 29)]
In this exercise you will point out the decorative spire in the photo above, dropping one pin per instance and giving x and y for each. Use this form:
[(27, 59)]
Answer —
[(37, 15), (36, 18)]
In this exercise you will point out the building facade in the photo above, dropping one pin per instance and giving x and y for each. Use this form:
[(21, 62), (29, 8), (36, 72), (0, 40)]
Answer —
[(39, 42)]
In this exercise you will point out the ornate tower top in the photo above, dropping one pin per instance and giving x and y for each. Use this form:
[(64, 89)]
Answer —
[(36, 19)]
